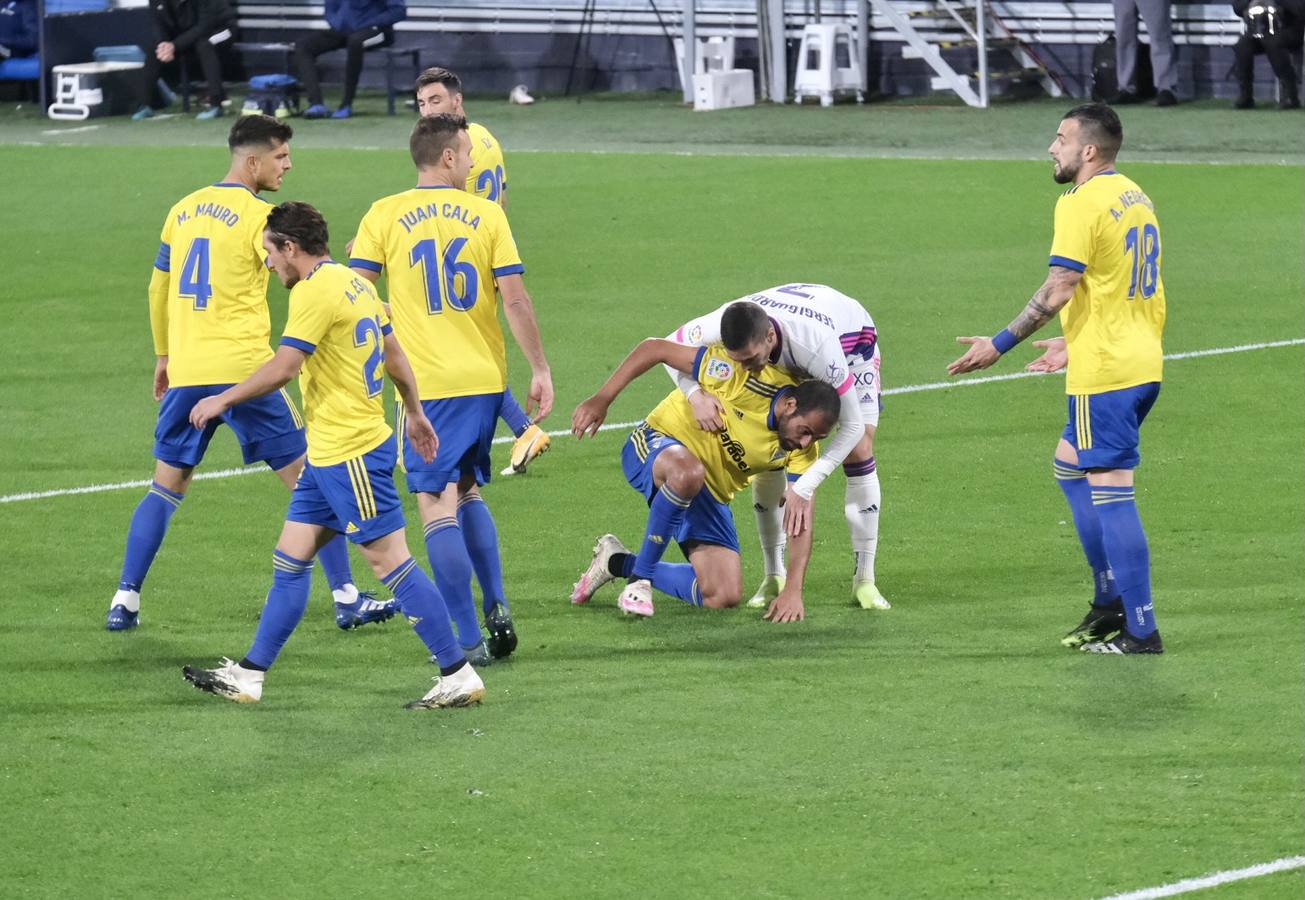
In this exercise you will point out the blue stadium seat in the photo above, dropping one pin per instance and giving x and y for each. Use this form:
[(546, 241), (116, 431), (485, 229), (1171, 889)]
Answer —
[(21, 68)]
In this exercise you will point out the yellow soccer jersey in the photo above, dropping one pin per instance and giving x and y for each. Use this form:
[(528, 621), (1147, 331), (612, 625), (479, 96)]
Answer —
[(212, 321), (336, 318), (749, 443), (488, 176), (1106, 228), (441, 250)]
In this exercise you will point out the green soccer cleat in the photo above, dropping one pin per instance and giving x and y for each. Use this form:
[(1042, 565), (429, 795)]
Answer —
[(867, 596), (1100, 624), (770, 587)]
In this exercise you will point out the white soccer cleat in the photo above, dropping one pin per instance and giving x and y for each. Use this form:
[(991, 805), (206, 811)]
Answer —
[(520, 95), (230, 680), (636, 599), (868, 597), (770, 587), (462, 688), (597, 574)]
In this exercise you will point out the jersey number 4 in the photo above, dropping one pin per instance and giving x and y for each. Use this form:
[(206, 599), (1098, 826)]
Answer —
[(455, 274), (1145, 247), (194, 274)]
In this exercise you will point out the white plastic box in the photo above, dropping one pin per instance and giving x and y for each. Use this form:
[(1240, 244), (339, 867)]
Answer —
[(723, 90)]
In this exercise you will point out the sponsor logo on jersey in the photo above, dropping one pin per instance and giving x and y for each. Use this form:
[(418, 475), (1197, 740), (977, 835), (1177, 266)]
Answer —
[(867, 397), (350, 528), (719, 369)]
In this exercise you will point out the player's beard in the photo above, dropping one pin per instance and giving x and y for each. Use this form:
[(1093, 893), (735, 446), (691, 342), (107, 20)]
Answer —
[(1062, 174)]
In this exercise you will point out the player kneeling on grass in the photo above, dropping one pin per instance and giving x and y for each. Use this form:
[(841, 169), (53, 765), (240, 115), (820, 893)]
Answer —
[(689, 476), (340, 338)]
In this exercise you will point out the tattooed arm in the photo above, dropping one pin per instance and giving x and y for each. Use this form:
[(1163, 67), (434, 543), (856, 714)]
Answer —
[(1048, 300)]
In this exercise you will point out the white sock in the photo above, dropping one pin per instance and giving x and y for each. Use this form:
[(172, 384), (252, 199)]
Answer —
[(347, 594), (767, 490), (129, 599), (861, 509)]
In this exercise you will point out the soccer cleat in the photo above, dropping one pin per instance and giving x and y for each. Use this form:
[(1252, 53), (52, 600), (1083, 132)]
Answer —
[(251, 108), (365, 610), (344, 112), (502, 634), (1100, 623), (462, 688), (868, 597), (533, 443), (478, 655), (597, 574), (317, 111), (230, 680), (771, 585), (636, 599), (213, 112), (1124, 643), (520, 95), (143, 113), (282, 111), (121, 618)]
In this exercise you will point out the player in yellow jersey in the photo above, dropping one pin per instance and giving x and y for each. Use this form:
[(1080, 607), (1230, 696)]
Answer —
[(689, 476), (439, 91), (209, 316), (1105, 282), (339, 342), (447, 255)]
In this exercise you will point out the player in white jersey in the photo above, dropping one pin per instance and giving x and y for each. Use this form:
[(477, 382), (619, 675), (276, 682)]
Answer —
[(812, 331)]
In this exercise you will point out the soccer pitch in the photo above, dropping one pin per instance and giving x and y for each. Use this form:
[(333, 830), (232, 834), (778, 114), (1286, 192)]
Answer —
[(947, 748)]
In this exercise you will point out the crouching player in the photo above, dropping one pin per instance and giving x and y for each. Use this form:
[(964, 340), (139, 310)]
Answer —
[(339, 336), (689, 476)]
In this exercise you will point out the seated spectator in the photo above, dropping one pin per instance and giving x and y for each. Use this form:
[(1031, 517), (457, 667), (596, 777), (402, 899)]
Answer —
[(356, 25), (19, 28), (188, 27), (1274, 28)]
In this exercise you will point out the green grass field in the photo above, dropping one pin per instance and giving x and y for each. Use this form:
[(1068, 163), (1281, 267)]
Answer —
[(948, 748)]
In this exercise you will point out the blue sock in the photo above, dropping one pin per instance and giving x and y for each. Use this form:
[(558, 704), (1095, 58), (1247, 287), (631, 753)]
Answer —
[(481, 537), (678, 580), (1130, 559), (1073, 482), (421, 602), (621, 565), (665, 515), (452, 568), (286, 602), (512, 414), (148, 525), (334, 558)]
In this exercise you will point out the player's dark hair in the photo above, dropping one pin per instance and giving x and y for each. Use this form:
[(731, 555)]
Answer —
[(438, 75), (433, 135), (258, 131), (819, 397), (1100, 126), (299, 222), (742, 324)]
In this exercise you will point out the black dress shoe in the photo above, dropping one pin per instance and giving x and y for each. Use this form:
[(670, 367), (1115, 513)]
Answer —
[(1124, 98), (1166, 98)]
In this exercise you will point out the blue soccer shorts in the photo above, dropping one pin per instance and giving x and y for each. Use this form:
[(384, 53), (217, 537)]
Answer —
[(269, 428), (465, 427), (356, 498), (708, 521), (1105, 428)]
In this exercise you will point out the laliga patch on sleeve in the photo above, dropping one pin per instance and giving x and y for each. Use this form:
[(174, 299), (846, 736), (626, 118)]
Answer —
[(695, 334), (719, 369)]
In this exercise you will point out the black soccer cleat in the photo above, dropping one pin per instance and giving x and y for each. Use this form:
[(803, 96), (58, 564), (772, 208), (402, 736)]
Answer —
[(1101, 623), (502, 634), (1124, 643)]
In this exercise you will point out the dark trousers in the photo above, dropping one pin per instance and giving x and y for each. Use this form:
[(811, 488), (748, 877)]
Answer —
[(209, 64), (1278, 48), (355, 43)]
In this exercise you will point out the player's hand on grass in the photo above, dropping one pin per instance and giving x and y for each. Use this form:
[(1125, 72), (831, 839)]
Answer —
[(207, 410), (787, 607), (539, 403), (797, 513), (160, 377), (980, 355), (1054, 359), (588, 416), (708, 411), (422, 435)]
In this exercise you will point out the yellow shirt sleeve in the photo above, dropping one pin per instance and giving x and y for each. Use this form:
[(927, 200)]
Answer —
[(310, 319), (506, 260), (369, 245), (1071, 242), (160, 281)]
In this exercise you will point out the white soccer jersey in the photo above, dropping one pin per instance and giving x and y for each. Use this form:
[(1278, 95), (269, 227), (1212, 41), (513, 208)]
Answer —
[(822, 333)]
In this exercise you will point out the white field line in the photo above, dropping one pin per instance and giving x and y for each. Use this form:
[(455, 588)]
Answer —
[(615, 426), (1214, 879)]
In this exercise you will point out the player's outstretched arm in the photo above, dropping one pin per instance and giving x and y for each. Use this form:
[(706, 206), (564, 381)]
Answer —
[(418, 427), (520, 312), (788, 606), (1045, 303), (1054, 359), (271, 376), (589, 415)]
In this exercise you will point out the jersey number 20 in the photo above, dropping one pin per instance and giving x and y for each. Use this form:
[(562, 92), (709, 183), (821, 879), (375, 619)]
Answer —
[(433, 265), (1146, 260)]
